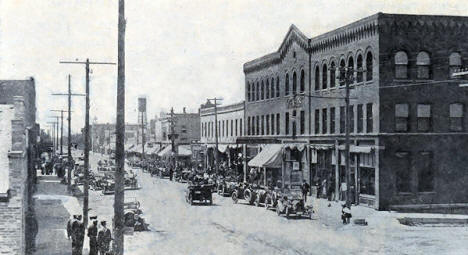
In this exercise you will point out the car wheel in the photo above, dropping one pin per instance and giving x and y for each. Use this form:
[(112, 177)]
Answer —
[(257, 202), (234, 197)]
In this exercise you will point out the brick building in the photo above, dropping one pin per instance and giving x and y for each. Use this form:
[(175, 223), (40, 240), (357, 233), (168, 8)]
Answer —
[(407, 115), (19, 134), (186, 126), (103, 136)]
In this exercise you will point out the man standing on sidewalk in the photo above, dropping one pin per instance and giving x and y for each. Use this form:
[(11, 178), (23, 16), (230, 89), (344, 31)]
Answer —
[(92, 234), (305, 188), (104, 239)]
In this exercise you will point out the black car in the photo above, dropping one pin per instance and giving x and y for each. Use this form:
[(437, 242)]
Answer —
[(199, 192)]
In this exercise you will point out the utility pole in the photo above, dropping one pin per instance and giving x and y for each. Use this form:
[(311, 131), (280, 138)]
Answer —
[(56, 132), (346, 75), (86, 134), (61, 128), (69, 95), (173, 137), (120, 136), (53, 134), (216, 131)]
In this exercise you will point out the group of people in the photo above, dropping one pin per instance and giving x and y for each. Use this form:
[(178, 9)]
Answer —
[(99, 239)]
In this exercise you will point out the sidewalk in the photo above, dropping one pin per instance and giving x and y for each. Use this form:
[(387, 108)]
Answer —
[(329, 214), (53, 207)]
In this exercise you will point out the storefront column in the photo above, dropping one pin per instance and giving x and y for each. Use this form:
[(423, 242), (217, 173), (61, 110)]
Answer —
[(377, 174), (337, 171), (244, 152)]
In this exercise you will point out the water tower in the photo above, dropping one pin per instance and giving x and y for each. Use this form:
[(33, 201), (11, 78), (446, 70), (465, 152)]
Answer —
[(142, 122)]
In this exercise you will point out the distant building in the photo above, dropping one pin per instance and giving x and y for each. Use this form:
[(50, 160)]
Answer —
[(186, 127), (230, 126), (103, 136), (19, 135)]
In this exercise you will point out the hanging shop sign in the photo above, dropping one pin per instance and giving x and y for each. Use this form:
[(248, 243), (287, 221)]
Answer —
[(296, 101)]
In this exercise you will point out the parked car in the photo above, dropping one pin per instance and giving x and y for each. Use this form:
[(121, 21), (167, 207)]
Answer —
[(164, 172), (199, 192), (225, 186), (109, 187), (244, 191), (290, 201), (183, 176)]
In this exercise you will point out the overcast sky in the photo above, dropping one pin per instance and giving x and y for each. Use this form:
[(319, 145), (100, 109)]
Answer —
[(178, 53)]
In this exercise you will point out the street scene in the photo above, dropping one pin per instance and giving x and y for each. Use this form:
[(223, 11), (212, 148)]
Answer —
[(212, 127)]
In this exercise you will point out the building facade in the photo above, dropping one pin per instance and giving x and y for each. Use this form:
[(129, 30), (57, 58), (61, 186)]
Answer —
[(19, 134), (229, 126), (407, 115), (186, 127), (103, 136)]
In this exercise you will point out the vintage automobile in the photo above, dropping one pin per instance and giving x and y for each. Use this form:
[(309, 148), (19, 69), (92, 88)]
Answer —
[(109, 187), (132, 204), (164, 172), (131, 182), (225, 186), (290, 201), (199, 191), (244, 191), (183, 176)]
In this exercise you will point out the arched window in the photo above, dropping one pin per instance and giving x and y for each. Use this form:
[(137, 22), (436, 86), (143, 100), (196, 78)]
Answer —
[(302, 81), (342, 72), (257, 92), (267, 87), (277, 86), (324, 76), (286, 85), (272, 88), (423, 61), (317, 78), (369, 67), (294, 88), (351, 68), (359, 75), (263, 91), (248, 92), (401, 65), (455, 62), (332, 74)]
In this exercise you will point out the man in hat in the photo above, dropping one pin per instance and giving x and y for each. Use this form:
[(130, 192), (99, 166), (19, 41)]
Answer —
[(75, 229), (69, 226), (92, 234), (104, 239)]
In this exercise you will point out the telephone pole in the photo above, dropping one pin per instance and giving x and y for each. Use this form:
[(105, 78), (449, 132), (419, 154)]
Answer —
[(61, 128), (173, 136), (120, 136), (216, 131), (53, 123), (346, 76), (87, 63), (69, 95), (56, 132)]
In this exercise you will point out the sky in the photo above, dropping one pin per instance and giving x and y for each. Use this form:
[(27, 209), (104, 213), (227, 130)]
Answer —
[(178, 53)]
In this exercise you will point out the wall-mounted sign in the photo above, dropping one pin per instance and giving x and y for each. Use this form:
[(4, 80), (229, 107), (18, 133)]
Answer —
[(296, 101), (296, 166)]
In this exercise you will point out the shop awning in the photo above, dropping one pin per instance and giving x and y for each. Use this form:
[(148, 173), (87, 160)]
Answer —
[(298, 146), (270, 156), (184, 150), (321, 146), (166, 151), (128, 146), (153, 150), (357, 148)]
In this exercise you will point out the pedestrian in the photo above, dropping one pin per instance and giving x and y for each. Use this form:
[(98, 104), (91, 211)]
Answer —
[(346, 214), (76, 235), (92, 234), (324, 188), (331, 188), (104, 239), (69, 226), (305, 188), (319, 188), (171, 173)]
